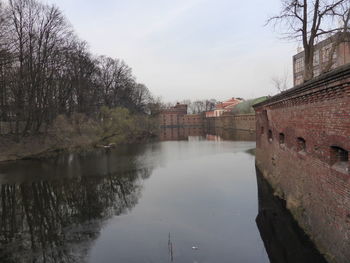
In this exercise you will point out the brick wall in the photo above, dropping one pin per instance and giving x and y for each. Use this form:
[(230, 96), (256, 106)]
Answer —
[(303, 138), (236, 122), (171, 119), (193, 120)]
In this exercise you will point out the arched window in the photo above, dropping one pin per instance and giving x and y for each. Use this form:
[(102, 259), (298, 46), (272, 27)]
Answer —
[(340, 158), (281, 138), (301, 144), (270, 137)]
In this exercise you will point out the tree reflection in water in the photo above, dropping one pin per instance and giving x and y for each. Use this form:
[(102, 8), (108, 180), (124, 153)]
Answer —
[(56, 220)]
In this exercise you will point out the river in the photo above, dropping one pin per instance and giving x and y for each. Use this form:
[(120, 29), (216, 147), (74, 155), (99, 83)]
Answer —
[(192, 197)]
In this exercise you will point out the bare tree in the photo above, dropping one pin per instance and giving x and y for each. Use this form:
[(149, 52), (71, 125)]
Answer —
[(210, 104), (45, 70), (141, 97), (281, 82), (343, 16), (309, 21), (200, 106)]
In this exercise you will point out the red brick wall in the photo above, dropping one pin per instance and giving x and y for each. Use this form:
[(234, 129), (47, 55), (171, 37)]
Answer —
[(317, 192), (193, 120), (168, 119), (230, 121), (174, 119)]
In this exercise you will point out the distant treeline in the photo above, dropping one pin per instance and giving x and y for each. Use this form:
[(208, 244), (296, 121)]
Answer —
[(198, 106), (46, 71)]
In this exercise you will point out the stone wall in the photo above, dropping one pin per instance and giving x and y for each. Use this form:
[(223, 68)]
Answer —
[(303, 144)]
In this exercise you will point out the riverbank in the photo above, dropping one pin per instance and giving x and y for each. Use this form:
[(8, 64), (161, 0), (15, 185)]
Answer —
[(80, 133), (42, 146)]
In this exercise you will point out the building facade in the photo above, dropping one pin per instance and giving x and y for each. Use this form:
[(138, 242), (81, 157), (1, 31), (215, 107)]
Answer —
[(322, 58), (173, 117), (220, 108)]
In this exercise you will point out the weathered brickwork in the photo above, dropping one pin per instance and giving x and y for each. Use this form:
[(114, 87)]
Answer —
[(177, 117), (193, 120), (171, 119), (303, 145), (230, 121)]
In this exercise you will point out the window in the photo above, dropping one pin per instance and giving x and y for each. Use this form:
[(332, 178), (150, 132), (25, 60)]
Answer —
[(316, 72), (327, 52), (299, 80), (270, 136), (299, 65), (316, 57), (340, 158), (301, 145), (262, 130), (281, 138)]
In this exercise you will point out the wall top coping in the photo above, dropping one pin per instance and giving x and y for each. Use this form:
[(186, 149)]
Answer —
[(337, 74), (234, 114)]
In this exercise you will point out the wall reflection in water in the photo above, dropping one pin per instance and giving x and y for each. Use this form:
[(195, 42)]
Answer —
[(180, 133), (284, 240), (56, 219), (184, 133)]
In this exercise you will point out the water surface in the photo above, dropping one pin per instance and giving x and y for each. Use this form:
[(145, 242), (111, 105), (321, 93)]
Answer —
[(188, 200)]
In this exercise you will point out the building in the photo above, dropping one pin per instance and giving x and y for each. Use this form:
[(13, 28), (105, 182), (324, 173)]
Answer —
[(341, 56), (173, 117), (177, 117), (193, 120), (220, 108), (302, 149)]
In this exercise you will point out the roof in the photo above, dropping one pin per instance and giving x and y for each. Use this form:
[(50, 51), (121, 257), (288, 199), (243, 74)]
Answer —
[(228, 104), (322, 80)]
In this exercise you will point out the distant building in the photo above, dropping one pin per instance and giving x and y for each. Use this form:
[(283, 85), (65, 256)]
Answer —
[(173, 116), (220, 108), (341, 56), (177, 117)]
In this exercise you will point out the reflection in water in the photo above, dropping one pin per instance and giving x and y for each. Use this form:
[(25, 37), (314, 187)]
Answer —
[(199, 205), (233, 135), (284, 240), (180, 133), (183, 133), (56, 220)]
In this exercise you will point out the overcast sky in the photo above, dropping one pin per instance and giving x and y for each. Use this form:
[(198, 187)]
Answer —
[(188, 49)]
